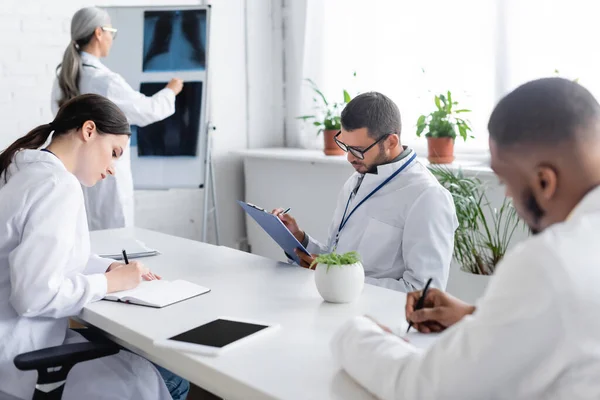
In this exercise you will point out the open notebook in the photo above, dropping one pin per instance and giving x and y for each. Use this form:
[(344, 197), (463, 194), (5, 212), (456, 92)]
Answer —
[(133, 247), (158, 293)]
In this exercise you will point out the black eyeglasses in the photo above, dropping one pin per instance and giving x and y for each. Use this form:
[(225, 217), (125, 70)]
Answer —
[(360, 154)]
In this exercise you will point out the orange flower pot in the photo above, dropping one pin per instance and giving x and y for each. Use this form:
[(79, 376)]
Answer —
[(331, 149), (440, 150)]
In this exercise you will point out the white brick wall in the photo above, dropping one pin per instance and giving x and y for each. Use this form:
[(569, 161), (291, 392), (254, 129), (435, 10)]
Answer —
[(34, 35)]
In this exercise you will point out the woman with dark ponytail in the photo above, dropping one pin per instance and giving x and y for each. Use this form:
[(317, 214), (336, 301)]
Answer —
[(46, 271), (110, 203)]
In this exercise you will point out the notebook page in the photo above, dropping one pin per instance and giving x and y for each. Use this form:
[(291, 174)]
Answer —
[(160, 293)]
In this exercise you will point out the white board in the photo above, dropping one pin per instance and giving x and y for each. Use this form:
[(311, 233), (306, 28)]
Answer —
[(168, 169)]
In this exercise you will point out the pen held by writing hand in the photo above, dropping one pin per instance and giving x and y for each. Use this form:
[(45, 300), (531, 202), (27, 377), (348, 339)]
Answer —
[(421, 301), (284, 212)]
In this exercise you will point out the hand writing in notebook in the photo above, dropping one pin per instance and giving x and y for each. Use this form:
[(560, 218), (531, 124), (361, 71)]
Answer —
[(148, 276)]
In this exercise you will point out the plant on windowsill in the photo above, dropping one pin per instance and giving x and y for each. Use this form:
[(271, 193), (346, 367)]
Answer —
[(441, 126), (327, 117), (339, 278), (484, 232)]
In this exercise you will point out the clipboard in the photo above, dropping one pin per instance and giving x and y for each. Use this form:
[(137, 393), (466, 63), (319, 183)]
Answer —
[(273, 226)]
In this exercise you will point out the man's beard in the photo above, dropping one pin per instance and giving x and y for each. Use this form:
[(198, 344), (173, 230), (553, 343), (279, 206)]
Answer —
[(372, 168), (534, 209)]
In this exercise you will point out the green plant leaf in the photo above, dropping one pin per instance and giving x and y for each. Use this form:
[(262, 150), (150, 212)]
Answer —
[(347, 97), (421, 125), (316, 89), (464, 110), (437, 103), (480, 241), (305, 117), (317, 123), (334, 259), (463, 132)]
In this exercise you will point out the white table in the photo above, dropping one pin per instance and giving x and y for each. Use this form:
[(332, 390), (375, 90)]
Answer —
[(293, 363)]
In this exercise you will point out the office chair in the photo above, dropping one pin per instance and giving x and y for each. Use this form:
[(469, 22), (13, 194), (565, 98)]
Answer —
[(54, 363)]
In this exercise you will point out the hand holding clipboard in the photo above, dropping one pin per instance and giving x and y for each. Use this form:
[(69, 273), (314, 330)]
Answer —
[(275, 228)]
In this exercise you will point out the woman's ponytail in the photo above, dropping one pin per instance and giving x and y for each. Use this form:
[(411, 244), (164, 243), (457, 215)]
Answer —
[(33, 140), (68, 76)]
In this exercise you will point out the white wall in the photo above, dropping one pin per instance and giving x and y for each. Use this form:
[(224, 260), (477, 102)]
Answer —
[(246, 79)]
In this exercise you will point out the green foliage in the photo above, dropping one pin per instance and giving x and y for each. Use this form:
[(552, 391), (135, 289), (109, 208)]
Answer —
[(445, 120), (483, 232), (327, 114), (334, 259), (557, 73)]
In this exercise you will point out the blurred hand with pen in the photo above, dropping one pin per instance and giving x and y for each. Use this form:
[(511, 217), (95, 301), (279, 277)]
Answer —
[(439, 311), (290, 223)]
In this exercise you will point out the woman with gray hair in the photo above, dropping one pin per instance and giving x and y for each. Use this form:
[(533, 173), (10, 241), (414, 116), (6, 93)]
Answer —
[(109, 203)]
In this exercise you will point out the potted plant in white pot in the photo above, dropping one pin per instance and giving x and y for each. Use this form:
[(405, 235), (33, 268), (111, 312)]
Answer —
[(483, 235), (441, 126), (340, 278), (327, 118)]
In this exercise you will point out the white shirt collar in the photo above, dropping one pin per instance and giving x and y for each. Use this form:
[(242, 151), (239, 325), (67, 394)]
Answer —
[(385, 170), (589, 203), (90, 59)]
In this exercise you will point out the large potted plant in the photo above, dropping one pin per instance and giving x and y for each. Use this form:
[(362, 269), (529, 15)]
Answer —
[(327, 118), (441, 126), (340, 278), (484, 231)]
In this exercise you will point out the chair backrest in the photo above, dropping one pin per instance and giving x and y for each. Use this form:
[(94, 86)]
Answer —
[(53, 364)]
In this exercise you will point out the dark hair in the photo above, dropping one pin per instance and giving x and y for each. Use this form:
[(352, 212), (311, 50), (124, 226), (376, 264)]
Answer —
[(109, 119), (374, 111), (544, 111)]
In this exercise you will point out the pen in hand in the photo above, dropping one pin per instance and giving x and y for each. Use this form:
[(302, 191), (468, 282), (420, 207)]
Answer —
[(279, 214), (149, 276), (421, 301)]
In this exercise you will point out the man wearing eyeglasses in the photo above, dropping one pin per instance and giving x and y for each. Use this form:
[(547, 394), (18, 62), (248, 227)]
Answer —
[(392, 211)]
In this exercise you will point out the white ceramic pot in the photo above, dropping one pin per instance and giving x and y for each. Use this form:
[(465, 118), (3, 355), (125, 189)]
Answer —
[(466, 286), (340, 283)]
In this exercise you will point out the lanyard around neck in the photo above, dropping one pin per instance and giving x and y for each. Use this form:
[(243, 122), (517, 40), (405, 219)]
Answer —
[(345, 219)]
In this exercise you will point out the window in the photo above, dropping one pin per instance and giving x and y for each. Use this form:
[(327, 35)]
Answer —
[(410, 51), (478, 49), (544, 36)]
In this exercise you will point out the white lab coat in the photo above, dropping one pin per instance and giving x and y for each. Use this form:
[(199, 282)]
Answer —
[(404, 233), (47, 275), (110, 202), (535, 333)]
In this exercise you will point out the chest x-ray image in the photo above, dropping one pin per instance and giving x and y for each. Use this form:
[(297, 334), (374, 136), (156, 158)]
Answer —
[(178, 134), (174, 40)]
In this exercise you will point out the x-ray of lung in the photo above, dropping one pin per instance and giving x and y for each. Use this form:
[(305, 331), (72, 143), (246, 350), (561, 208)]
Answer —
[(178, 134), (174, 40)]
